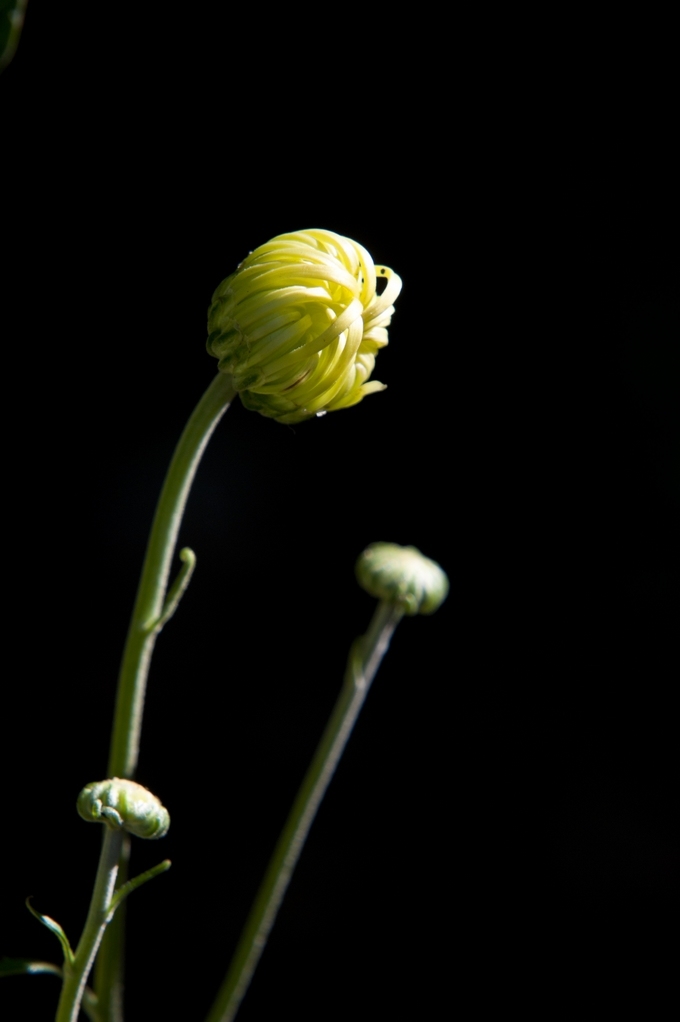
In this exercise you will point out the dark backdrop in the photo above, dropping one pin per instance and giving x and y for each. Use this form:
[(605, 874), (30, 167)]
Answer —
[(503, 826)]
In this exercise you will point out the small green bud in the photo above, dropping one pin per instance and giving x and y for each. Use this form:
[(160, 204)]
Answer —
[(402, 575), (299, 323), (125, 804)]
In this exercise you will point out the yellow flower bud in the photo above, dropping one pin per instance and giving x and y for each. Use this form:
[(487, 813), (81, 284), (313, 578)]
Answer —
[(124, 804), (298, 325), (402, 575)]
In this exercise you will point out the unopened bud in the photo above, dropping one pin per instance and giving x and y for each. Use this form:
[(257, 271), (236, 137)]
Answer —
[(124, 804), (402, 575)]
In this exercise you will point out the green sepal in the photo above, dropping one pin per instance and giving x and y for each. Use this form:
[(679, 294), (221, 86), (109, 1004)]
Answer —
[(132, 885), (26, 966), (56, 929)]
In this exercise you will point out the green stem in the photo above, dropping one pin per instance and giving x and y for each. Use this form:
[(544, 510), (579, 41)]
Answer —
[(148, 609), (150, 613), (76, 973), (16, 22), (363, 662), (109, 970)]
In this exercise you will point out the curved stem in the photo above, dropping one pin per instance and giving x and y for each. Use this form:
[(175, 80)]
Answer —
[(76, 973), (145, 623), (364, 660), (148, 617)]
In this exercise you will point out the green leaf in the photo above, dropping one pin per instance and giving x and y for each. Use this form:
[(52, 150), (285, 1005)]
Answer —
[(132, 885), (26, 966), (188, 558), (56, 929)]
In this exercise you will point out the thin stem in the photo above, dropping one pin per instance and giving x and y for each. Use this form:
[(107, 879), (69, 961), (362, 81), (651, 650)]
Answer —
[(76, 973), (16, 23), (364, 660), (153, 583), (109, 969), (148, 617)]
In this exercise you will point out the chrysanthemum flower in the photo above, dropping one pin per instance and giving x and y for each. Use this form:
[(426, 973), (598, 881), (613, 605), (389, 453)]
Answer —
[(298, 325)]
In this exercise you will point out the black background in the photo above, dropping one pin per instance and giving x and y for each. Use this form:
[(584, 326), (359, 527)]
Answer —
[(503, 826)]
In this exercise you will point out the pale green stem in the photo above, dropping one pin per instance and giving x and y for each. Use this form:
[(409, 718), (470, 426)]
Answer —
[(76, 973), (150, 612), (109, 970), (364, 659)]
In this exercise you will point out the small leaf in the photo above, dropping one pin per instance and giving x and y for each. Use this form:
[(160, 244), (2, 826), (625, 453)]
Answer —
[(178, 587), (56, 929), (132, 885), (26, 966)]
